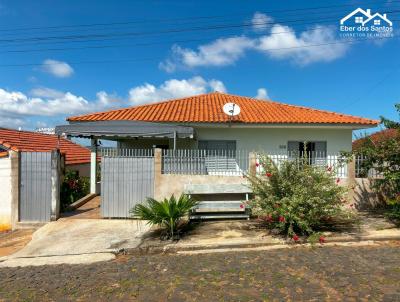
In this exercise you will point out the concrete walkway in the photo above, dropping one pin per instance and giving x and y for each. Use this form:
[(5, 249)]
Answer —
[(78, 241), (90, 210)]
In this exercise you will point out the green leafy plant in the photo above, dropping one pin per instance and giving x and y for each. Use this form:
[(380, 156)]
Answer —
[(297, 198), (382, 153), (167, 213), (73, 188)]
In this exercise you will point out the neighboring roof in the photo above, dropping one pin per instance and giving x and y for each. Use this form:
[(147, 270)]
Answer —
[(207, 108), (377, 137), (32, 141)]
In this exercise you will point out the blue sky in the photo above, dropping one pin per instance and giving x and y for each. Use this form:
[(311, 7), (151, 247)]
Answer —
[(61, 58)]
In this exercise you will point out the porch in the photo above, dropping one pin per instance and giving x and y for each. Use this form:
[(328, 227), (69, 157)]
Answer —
[(129, 175)]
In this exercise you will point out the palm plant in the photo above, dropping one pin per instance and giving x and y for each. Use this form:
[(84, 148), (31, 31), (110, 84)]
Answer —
[(166, 213)]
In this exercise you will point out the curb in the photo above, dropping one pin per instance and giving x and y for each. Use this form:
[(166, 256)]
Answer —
[(174, 248)]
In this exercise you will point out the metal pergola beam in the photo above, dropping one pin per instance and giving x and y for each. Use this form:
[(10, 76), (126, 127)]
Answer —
[(124, 129)]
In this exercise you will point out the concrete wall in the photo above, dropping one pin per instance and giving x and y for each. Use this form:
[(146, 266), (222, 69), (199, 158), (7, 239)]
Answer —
[(364, 197), (168, 184), (5, 194), (265, 139)]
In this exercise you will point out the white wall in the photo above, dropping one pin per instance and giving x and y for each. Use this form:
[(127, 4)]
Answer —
[(5, 193), (270, 139), (266, 139), (83, 169)]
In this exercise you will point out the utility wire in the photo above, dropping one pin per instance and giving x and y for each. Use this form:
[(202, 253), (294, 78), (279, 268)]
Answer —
[(140, 44), (373, 87), (169, 31), (153, 59), (189, 18), (197, 22)]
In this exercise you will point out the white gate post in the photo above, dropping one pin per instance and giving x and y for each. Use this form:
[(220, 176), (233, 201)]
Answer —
[(93, 166), (55, 184)]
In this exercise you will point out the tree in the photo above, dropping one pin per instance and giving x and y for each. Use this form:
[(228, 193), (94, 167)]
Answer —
[(384, 156)]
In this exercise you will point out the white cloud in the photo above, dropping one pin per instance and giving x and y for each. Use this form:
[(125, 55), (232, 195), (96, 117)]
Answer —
[(10, 121), (280, 42), (261, 22), (262, 94), (221, 52), (51, 103), (216, 85), (44, 92), (172, 89), (59, 69), (314, 45)]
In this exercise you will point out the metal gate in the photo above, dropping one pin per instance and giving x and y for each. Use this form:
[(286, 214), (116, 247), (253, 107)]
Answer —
[(125, 182), (35, 186)]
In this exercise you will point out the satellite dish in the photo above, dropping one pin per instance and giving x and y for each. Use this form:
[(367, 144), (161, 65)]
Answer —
[(231, 109)]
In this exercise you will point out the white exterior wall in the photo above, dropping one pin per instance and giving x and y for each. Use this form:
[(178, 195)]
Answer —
[(272, 140), (5, 193)]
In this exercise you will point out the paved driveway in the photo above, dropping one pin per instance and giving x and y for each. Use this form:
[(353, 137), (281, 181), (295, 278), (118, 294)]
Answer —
[(78, 241)]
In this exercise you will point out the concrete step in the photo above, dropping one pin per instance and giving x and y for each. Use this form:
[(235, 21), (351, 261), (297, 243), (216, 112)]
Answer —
[(204, 216), (216, 209), (220, 206)]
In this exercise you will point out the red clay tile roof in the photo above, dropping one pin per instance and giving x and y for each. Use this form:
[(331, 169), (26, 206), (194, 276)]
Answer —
[(207, 108), (33, 141), (377, 137)]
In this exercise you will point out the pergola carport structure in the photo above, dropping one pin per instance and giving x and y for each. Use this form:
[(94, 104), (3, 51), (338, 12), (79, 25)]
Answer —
[(114, 130)]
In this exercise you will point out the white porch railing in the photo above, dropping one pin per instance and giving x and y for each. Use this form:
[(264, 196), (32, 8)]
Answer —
[(237, 162), (205, 162), (333, 162)]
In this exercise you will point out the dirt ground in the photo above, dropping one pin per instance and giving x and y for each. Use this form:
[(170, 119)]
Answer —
[(13, 241), (369, 273)]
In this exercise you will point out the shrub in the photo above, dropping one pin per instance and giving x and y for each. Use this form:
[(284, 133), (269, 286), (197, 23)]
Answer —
[(394, 213), (73, 188), (167, 213), (383, 155), (297, 198)]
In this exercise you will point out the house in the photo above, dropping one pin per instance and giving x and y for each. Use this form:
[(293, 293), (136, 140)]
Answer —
[(77, 158), (199, 123), (27, 179), (377, 19), (358, 16), (376, 137), (261, 125)]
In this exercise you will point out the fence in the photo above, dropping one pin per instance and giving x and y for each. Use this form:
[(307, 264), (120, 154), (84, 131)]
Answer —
[(127, 178), (121, 152), (362, 170), (205, 162), (236, 162), (35, 186), (336, 162)]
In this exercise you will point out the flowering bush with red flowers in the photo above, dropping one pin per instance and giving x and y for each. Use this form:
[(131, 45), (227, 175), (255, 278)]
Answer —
[(297, 198), (73, 188)]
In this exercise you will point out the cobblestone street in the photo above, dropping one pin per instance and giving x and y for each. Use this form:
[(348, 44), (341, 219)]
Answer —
[(370, 273)]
